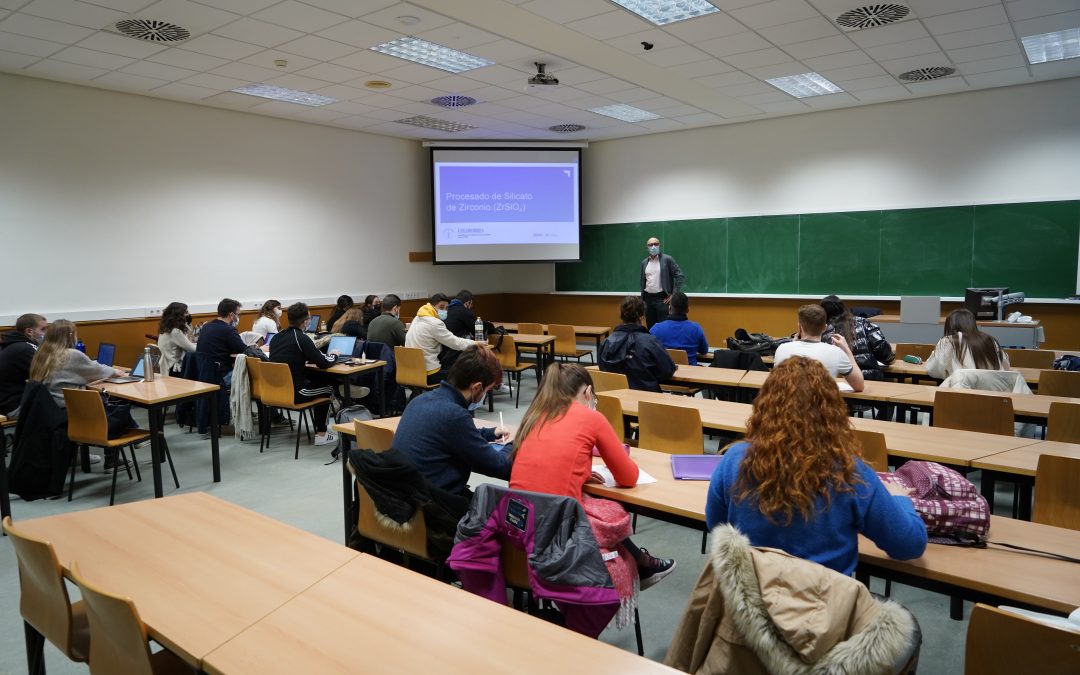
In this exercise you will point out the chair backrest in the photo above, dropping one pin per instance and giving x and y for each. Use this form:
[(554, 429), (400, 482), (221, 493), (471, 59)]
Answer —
[(87, 422), (565, 338), (410, 538), (44, 601), (507, 353), (670, 428), (603, 381), (1057, 493), (276, 386), (973, 412), (679, 357), (1063, 424), (255, 377), (1003, 643), (913, 349), (411, 371), (1060, 383), (531, 328), (1031, 358), (611, 409), (873, 448), (118, 639), (515, 565), (371, 437)]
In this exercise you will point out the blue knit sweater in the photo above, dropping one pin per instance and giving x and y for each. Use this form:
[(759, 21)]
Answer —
[(678, 332), (829, 537)]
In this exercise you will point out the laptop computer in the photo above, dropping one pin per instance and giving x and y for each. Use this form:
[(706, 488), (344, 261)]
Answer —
[(137, 374), (106, 352), (313, 324), (268, 338), (345, 345), (694, 467)]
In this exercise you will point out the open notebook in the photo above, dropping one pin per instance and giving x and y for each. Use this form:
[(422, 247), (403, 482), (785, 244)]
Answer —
[(601, 474)]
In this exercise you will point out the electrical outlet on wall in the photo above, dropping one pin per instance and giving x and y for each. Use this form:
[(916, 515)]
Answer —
[(153, 311), (414, 295)]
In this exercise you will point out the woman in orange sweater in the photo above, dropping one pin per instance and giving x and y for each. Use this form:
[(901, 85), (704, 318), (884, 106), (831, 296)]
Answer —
[(554, 449)]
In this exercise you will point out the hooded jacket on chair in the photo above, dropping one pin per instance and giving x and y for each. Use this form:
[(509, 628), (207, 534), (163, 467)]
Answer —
[(760, 610)]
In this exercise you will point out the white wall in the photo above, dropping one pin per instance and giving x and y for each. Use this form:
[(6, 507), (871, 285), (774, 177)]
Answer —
[(1014, 144), (111, 201)]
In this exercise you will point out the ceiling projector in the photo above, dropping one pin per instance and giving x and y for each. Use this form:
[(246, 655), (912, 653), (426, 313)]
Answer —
[(541, 78)]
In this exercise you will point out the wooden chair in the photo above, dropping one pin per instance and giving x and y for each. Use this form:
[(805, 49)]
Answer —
[(531, 328), (670, 428), (681, 359), (276, 389), (1059, 383), (508, 361), (973, 412), (912, 349), (47, 611), (603, 381), (1031, 358), (1002, 643), (1057, 492), (566, 343), (1063, 423), (371, 437), (119, 640), (88, 426), (874, 452), (411, 370), (611, 409), (255, 376), (410, 539)]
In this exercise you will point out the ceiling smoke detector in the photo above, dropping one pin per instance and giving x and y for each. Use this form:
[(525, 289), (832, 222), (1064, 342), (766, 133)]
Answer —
[(872, 15), (454, 101), (152, 30), (924, 74), (542, 78)]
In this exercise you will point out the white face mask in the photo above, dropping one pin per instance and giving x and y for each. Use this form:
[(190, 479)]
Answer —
[(442, 314), (654, 250), (235, 321), (277, 312)]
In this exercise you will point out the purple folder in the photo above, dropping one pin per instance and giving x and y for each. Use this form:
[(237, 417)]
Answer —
[(694, 467)]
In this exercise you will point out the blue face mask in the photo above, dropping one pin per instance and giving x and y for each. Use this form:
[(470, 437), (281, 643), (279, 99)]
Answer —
[(473, 406), (442, 314), (654, 250)]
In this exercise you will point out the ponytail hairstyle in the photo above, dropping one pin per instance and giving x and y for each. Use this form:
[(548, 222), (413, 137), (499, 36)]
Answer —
[(52, 354)]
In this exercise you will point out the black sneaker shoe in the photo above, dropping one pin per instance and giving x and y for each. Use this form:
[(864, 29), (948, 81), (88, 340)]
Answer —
[(654, 569)]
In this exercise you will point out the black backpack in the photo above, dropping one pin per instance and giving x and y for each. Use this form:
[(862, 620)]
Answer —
[(754, 343), (1067, 362)]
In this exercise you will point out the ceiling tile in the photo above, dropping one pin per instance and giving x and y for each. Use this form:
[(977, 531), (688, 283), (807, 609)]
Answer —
[(778, 70), (750, 89), (565, 11), (775, 96), (610, 25), (830, 100), (885, 35), (925, 8), (118, 44), (496, 74), (821, 47), (456, 84), (235, 6), (297, 82), (127, 6), (843, 60), (383, 101), (701, 68), (764, 57), (984, 51), (784, 107), (911, 63), (999, 78), (489, 93), (89, 57), (369, 61), (72, 11), (734, 44), (414, 73), (158, 71), (195, 17), (130, 82), (972, 18), (1067, 68), (244, 71), (502, 51), (28, 45), (700, 119), (978, 36), (578, 75), (800, 31), (43, 29), (277, 108), (864, 83), (318, 48), (13, 61), (268, 59), (839, 75), (988, 65), (774, 13), (319, 115), (218, 82), (631, 44), (675, 56), (661, 125), (258, 32), (330, 73), (306, 18), (65, 71), (899, 50), (351, 8), (387, 18), (1029, 9), (632, 95), (182, 58), (707, 27), (360, 34), (224, 48), (724, 80), (1038, 26), (416, 92), (13, 4), (943, 86), (458, 36), (343, 93), (890, 93), (349, 107), (183, 91)]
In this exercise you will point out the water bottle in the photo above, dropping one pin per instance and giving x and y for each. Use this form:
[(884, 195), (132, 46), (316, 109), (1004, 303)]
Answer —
[(148, 365), (80, 345), (478, 328)]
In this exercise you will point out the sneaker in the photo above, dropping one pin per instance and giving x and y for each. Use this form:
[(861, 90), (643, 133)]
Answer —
[(110, 462), (329, 438), (504, 388), (654, 570), (95, 459)]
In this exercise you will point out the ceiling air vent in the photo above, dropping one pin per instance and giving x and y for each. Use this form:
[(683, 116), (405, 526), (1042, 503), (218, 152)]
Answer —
[(872, 15), (924, 74), (436, 124), (566, 128), (152, 30), (454, 101)]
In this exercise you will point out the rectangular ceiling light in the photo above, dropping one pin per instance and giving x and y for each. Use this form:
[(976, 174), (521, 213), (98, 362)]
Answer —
[(1057, 46), (435, 123), (807, 84), (661, 12), (430, 54), (626, 113), (282, 94)]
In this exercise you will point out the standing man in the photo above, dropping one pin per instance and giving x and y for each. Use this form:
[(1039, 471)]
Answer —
[(660, 277)]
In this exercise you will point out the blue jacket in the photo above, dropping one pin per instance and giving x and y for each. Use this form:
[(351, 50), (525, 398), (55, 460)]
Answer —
[(677, 332), (830, 538), (438, 436), (632, 351)]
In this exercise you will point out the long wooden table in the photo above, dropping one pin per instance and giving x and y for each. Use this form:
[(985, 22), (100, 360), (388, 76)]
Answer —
[(1019, 465), (597, 333), (1029, 406), (200, 570), (544, 345), (376, 617)]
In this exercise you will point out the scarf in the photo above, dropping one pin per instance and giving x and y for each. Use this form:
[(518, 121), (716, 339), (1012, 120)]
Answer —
[(611, 525)]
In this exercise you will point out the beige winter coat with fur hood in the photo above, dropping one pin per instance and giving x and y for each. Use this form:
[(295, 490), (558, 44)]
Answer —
[(760, 610)]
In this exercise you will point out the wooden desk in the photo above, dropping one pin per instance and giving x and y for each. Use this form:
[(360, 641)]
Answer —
[(343, 372), (544, 344), (200, 569), (722, 377), (680, 501), (873, 390), (154, 397), (917, 371), (720, 415), (1033, 406), (1029, 335), (596, 333), (1019, 465)]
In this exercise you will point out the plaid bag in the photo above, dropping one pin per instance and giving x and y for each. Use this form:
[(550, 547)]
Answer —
[(949, 504)]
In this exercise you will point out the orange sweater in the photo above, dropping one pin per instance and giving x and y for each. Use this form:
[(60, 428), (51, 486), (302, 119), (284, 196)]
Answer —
[(556, 458)]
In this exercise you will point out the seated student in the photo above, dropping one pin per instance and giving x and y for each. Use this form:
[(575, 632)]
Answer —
[(269, 320), (553, 450), (174, 337), (796, 481), (633, 351), (964, 347), (58, 365), (294, 347), (350, 323), (460, 319), (836, 357), (868, 345), (17, 349), (344, 303), (219, 340), (437, 433), (429, 333), (387, 327), (372, 308), (678, 332)]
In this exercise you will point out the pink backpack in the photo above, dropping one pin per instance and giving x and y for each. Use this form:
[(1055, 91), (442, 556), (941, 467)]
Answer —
[(949, 504)]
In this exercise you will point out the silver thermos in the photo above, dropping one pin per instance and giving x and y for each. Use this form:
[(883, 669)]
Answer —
[(148, 365)]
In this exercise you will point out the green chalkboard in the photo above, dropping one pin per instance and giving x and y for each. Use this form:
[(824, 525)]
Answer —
[(1030, 247)]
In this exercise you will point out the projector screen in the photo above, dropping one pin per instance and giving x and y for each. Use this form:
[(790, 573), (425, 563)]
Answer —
[(506, 204)]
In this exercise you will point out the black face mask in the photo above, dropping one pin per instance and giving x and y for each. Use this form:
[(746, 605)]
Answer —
[(187, 319)]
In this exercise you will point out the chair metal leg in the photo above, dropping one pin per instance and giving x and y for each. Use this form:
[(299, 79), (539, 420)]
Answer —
[(115, 471), (298, 425), (35, 650), (135, 462), (637, 633), (704, 540), (956, 608), (71, 481), (517, 402)]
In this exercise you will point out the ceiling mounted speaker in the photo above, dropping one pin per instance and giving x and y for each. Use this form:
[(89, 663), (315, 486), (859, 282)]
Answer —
[(924, 74), (872, 15), (152, 30)]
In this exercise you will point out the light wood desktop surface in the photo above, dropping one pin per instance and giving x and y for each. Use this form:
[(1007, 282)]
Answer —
[(721, 415), (376, 617), (199, 569), (725, 377), (684, 498), (1024, 405), (1025, 460), (873, 390), (162, 390)]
